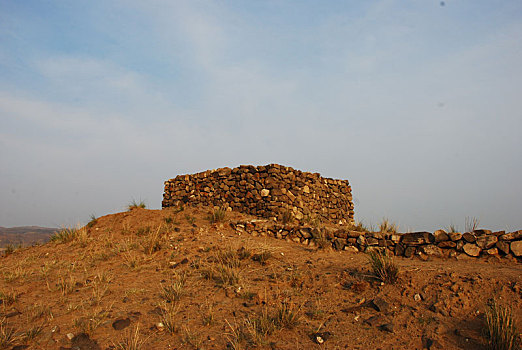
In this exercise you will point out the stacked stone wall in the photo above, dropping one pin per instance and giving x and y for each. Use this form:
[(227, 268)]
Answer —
[(265, 191), (442, 244), (478, 243)]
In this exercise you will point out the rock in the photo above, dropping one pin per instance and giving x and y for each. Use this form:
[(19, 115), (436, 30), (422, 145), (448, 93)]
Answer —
[(376, 320), (417, 297), (399, 249), (69, 336), (321, 337), (417, 238), (395, 238), (361, 240), (460, 245), (121, 323), (503, 246), (265, 192), (469, 237), (350, 248), (481, 232), (486, 242), (338, 243), (83, 342), (447, 244), (354, 234), (381, 305), (471, 249), (372, 241), (455, 236), (440, 236), (516, 248), (492, 251), (306, 189), (409, 251), (431, 250), (387, 327), (511, 236)]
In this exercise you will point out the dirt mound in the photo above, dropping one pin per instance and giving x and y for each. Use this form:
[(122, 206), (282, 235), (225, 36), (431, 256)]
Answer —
[(171, 279)]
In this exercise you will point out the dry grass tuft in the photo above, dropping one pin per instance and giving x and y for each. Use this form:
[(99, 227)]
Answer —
[(153, 241), (133, 341), (319, 238), (7, 335), (287, 315), (175, 290), (383, 267), (69, 234), (471, 223), (170, 318), (386, 226), (8, 298), (500, 327), (218, 215), (135, 205)]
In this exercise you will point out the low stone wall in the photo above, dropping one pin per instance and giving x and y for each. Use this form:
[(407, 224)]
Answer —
[(479, 243), (265, 191)]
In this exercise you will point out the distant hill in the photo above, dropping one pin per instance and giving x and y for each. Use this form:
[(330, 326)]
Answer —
[(25, 235)]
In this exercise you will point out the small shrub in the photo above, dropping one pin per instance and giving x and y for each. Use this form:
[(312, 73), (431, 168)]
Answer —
[(218, 215), (135, 205), (500, 327), (383, 266), (386, 226)]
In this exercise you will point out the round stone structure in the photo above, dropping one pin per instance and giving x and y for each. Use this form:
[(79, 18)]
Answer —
[(265, 191)]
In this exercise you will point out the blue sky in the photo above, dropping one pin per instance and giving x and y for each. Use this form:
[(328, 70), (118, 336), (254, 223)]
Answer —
[(416, 104)]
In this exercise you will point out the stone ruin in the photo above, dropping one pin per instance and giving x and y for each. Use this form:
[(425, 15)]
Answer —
[(323, 214), (265, 191)]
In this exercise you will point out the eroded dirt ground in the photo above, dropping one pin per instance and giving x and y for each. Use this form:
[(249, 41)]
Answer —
[(176, 281)]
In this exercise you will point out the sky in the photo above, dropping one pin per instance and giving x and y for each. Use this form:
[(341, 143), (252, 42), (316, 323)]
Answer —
[(417, 103)]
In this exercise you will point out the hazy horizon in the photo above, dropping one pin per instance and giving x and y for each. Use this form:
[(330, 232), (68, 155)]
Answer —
[(415, 103)]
